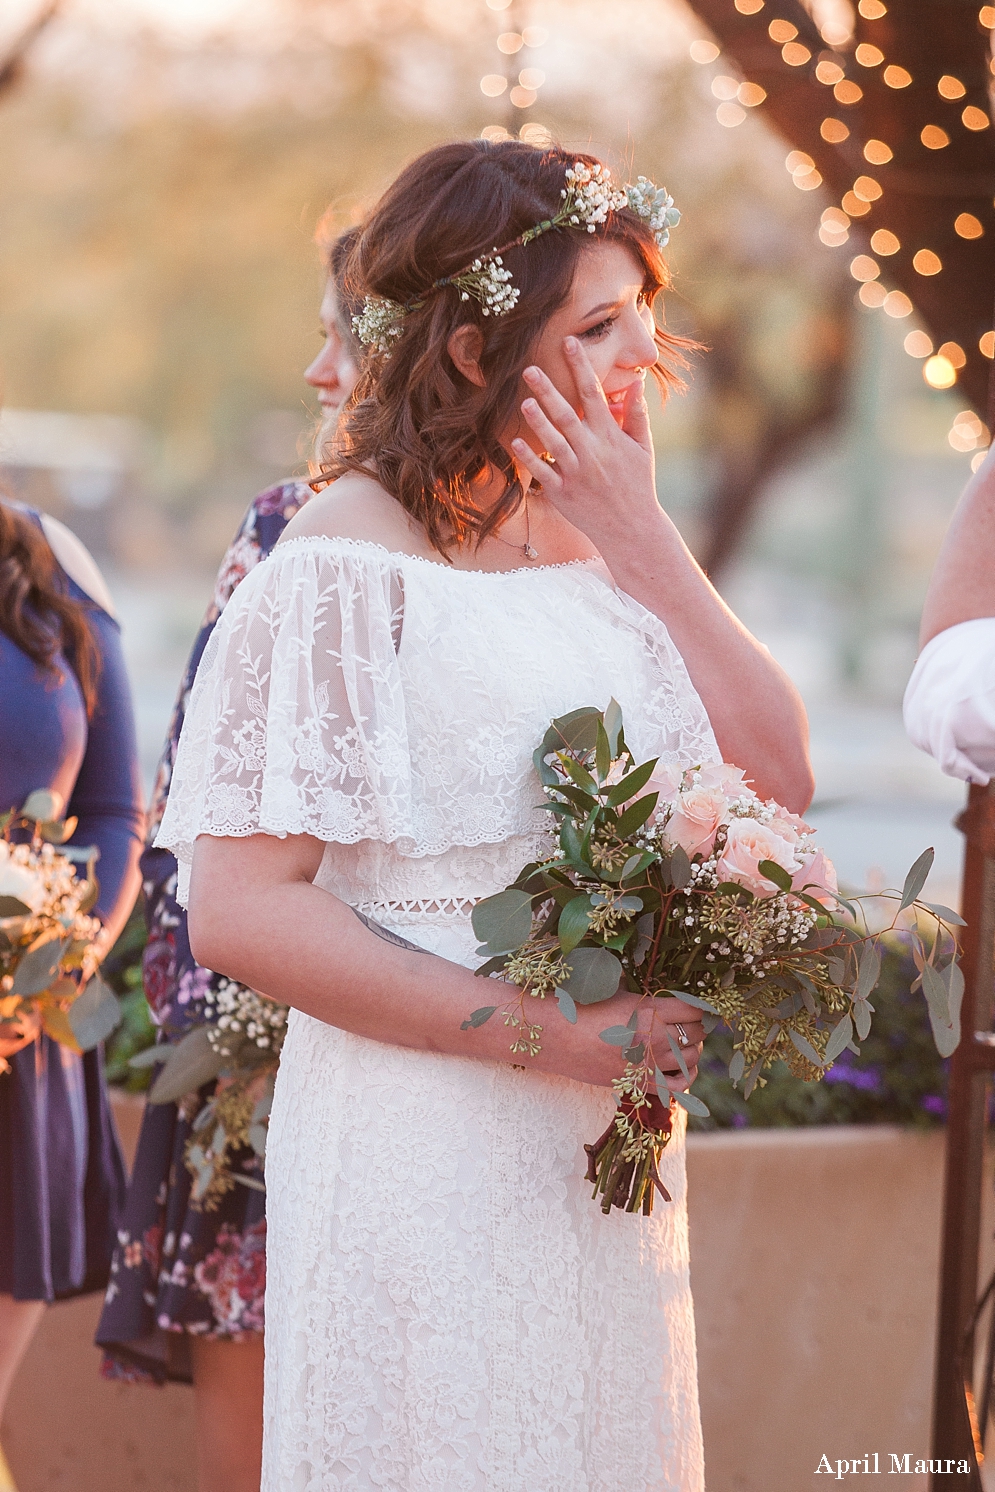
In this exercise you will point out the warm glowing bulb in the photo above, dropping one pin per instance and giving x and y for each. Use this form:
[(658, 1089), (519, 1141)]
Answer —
[(847, 92), (829, 73), (978, 458), (872, 295), (872, 10), (522, 98), (939, 373), (883, 242), (869, 56), (953, 353), (854, 205), (537, 36), (877, 152), (986, 15), (975, 119), (494, 132), (509, 42), (794, 54), (531, 78), (897, 304), (987, 345), (751, 94), (832, 236), (724, 87), (917, 344), (536, 134), (834, 130), (864, 268), (797, 160), (703, 51), (730, 115), (782, 31), (950, 87), (966, 225), (748, 7), (837, 219), (927, 263), (896, 77), (933, 137), (493, 84), (867, 188)]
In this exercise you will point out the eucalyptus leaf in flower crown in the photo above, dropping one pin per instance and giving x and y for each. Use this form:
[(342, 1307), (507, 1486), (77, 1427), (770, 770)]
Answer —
[(667, 880)]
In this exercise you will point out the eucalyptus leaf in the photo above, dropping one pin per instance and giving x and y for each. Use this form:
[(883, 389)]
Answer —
[(937, 997), (870, 971), (10, 906), (806, 1048), (478, 1017), (602, 753), (693, 1104), (504, 921), (945, 913), (840, 1038), (751, 1077), (38, 967), (616, 1035), (775, 873), (594, 975), (916, 878), (695, 1000), (191, 1063), (95, 1013), (43, 804), (632, 783), (737, 1066), (567, 1004), (710, 1022), (574, 923), (954, 975), (862, 1019), (152, 1056), (678, 1053), (680, 868), (580, 775), (635, 1053), (576, 732), (635, 817)]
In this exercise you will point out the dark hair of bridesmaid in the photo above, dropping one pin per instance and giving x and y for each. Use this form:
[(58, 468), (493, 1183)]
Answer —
[(37, 612)]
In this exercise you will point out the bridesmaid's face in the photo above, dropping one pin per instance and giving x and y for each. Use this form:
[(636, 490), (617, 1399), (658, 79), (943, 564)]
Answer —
[(333, 372), (607, 313)]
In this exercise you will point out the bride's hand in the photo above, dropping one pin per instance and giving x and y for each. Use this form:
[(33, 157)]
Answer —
[(18, 1033), (604, 473), (577, 1051)]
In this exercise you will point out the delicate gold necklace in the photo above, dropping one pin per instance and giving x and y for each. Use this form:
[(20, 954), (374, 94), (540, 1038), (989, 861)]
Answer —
[(526, 548)]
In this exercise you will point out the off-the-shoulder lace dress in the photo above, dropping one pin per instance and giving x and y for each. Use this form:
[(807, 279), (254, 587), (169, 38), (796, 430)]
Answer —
[(446, 1309)]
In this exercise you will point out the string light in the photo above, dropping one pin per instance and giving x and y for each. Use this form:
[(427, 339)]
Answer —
[(877, 152), (864, 268), (829, 73), (803, 172), (966, 225), (703, 51), (834, 228), (917, 344), (933, 137), (836, 33), (869, 56), (953, 353), (521, 97), (975, 119), (977, 459), (987, 345), (748, 7), (509, 42), (794, 54), (926, 262), (538, 36), (986, 15), (493, 85), (834, 130), (855, 205), (967, 432), (872, 10), (751, 94), (495, 132), (896, 77), (867, 189), (537, 134), (847, 92), (724, 87), (730, 115), (498, 4), (939, 372), (950, 87), (872, 295), (782, 31), (532, 78), (884, 242), (897, 304)]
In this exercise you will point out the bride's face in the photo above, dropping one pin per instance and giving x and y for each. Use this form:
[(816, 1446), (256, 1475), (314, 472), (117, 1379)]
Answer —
[(607, 313)]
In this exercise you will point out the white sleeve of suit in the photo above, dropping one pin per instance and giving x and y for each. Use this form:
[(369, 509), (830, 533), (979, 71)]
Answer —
[(950, 701)]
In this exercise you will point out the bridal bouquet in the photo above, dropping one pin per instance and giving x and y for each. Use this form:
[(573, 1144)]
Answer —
[(49, 945), (239, 1044), (682, 882)]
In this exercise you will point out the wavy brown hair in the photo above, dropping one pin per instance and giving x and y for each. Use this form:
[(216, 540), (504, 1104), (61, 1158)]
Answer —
[(37, 612), (414, 421)]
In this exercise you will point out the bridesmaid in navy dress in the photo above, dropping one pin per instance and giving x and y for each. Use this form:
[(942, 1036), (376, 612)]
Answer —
[(65, 724)]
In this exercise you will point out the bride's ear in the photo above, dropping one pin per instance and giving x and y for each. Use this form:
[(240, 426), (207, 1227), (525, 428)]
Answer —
[(465, 345)]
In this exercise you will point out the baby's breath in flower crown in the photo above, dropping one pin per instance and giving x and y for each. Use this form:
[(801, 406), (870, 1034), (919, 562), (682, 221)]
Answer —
[(587, 199)]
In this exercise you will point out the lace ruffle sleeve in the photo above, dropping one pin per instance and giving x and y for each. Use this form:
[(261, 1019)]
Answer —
[(296, 720)]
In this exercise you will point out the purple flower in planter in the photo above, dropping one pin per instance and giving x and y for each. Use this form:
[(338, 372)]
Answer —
[(934, 1104), (867, 1078)]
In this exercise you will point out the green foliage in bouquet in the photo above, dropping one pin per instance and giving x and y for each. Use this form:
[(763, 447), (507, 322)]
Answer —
[(747, 927), (49, 944), (122, 970)]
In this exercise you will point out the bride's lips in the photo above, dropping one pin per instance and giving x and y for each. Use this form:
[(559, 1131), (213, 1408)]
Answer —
[(616, 402)]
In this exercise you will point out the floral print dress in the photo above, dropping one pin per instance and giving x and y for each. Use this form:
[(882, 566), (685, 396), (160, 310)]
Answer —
[(179, 1269)]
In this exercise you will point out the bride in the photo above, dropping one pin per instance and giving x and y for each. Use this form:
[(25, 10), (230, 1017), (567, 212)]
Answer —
[(447, 1310)]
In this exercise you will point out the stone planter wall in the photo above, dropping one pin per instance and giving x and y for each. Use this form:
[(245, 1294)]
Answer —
[(814, 1270)]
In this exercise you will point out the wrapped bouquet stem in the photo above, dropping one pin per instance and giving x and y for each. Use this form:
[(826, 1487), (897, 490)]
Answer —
[(681, 882)]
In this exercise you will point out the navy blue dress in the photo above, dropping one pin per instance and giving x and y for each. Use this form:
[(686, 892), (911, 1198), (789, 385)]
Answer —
[(61, 1174)]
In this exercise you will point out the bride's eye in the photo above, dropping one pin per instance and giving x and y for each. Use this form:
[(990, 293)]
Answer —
[(595, 333)]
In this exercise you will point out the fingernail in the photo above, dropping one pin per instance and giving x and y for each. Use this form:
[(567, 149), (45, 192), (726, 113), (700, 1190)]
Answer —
[(531, 374), (529, 404), (571, 344)]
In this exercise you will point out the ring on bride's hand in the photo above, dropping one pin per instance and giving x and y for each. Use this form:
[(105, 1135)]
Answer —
[(549, 460), (682, 1036)]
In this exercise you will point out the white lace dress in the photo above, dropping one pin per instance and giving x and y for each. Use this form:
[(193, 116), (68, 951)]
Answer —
[(447, 1310)]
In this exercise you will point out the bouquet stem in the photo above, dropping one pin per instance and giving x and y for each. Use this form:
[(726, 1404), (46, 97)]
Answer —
[(622, 1163)]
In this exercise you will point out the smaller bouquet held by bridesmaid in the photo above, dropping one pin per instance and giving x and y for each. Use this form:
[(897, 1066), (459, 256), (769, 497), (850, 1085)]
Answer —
[(49, 944), (681, 882)]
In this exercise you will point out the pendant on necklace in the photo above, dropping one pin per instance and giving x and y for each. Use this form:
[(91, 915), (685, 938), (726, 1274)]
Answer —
[(529, 552)]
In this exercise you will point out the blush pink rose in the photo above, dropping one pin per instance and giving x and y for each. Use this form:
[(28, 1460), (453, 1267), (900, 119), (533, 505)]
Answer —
[(727, 779), (747, 843), (817, 877), (694, 824)]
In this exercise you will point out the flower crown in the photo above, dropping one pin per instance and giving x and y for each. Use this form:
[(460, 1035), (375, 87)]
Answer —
[(587, 199)]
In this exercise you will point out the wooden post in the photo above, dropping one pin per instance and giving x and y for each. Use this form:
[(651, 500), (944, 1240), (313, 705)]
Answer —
[(956, 1435)]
